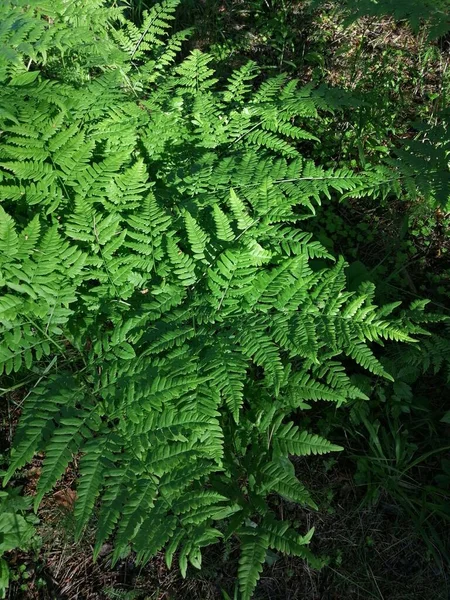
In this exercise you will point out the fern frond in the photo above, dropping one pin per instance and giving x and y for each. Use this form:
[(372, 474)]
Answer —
[(289, 440), (196, 236), (279, 477), (223, 227), (135, 511), (195, 75), (283, 538), (238, 85), (42, 406), (254, 545), (59, 451), (93, 465)]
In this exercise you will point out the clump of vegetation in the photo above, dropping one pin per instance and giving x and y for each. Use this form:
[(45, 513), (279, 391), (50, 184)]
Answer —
[(17, 532), (187, 301)]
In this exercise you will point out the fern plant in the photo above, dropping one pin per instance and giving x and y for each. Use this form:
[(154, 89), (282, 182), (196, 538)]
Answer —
[(158, 289), (420, 169)]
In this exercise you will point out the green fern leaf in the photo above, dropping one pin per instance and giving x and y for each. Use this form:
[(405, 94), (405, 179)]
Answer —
[(42, 406), (59, 452), (92, 466), (113, 503), (254, 545), (134, 513), (283, 538), (9, 242), (364, 356), (244, 221), (196, 236), (223, 227), (279, 476), (288, 440)]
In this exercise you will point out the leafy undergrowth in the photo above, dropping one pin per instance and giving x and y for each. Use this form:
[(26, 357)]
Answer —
[(393, 75), (405, 247)]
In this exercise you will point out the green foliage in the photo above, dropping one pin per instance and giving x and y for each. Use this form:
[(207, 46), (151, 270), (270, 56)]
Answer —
[(17, 530), (404, 435), (424, 161), (433, 12), (420, 170), (159, 287)]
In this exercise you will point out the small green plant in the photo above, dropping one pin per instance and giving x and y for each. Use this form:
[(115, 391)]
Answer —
[(399, 435), (226, 596), (17, 531), (388, 469), (116, 594)]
